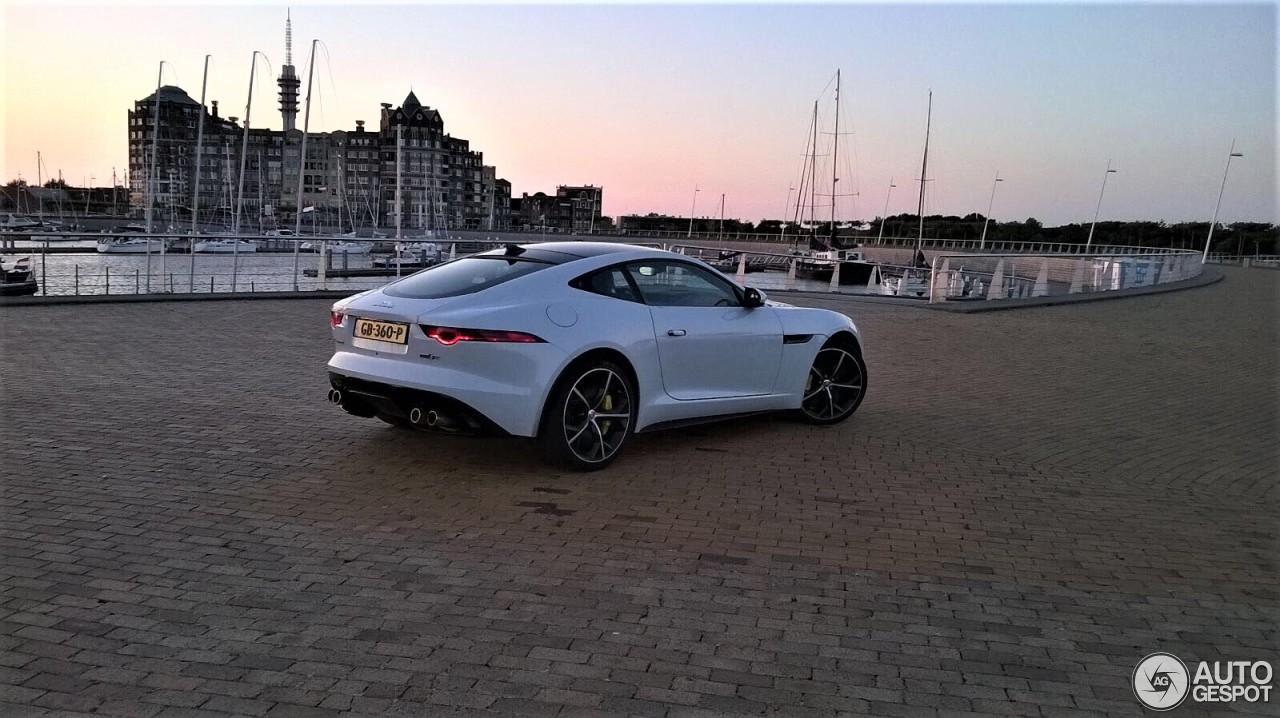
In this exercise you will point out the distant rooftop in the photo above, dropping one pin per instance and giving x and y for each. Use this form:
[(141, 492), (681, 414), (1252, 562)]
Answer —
[(171, 93)]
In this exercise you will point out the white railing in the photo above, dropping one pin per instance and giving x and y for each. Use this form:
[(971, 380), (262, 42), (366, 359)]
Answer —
[(966, 276), (74, 266), (281, 264), (1267, 261)]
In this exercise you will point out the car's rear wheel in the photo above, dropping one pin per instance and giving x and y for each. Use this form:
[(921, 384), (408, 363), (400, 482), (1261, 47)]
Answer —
[(589, 416), (836, 383)]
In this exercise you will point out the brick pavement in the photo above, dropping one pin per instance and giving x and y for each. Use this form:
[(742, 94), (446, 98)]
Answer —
[(1027, 503)]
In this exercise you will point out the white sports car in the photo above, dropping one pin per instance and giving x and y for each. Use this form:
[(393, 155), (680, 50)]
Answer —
[(580, 344)]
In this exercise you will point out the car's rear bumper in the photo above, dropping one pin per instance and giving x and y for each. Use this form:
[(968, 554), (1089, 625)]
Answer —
[(395, 386)]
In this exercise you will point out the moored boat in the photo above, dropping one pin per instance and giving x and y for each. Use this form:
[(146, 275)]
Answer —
[(338, 247), (414, 255), (911, 283), (225, 245), (19, 222), (17, 279), (855, 268), (130, 245)]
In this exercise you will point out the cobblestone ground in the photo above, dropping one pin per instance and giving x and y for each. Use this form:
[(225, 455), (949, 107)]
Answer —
[(1027, 504)]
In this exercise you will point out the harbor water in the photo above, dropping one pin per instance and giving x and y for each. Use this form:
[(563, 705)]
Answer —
[(93, 273)]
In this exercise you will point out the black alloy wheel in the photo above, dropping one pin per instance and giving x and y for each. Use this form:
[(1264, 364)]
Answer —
[(836, 384), (589, 416)]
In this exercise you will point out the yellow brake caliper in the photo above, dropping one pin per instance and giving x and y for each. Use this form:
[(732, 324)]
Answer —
[(608, 406)]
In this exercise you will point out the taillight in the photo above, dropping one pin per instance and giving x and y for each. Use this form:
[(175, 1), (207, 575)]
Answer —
[(449, 336), (337, 319)]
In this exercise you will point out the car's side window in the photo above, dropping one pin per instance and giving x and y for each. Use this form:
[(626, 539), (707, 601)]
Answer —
[(666, 283), (609, 283)]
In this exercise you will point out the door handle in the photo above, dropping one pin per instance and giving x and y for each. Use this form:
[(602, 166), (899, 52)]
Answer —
[(675, 332)]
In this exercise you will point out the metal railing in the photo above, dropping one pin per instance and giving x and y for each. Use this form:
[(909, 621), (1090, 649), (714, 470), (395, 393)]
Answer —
[(966, 276), (955, 276), (1266, 261), (167, 264), (310, 263)]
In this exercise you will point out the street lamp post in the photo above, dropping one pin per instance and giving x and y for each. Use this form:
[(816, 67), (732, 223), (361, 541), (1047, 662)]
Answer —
[(692, 209), (982, 244), (1230, 153), (884, 216), (1089, 243)]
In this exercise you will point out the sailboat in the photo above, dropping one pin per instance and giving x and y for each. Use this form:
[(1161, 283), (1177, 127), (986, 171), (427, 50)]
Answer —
[(914, 282), (224, 245), (823, 257), (130, 245)]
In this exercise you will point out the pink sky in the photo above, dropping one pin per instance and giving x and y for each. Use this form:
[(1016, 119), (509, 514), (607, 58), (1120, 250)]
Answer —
[(650, 101)]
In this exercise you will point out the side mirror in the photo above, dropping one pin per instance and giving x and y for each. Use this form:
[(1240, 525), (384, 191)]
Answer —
[(753, 298)]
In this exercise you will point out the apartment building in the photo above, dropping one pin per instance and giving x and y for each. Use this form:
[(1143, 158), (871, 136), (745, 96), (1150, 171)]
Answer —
[(409, 173)]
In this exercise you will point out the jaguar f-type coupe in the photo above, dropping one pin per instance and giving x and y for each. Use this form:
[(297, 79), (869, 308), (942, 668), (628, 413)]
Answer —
[(580, 344)]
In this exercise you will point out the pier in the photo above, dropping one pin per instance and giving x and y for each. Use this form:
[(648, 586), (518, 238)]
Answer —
[(1027, 504)]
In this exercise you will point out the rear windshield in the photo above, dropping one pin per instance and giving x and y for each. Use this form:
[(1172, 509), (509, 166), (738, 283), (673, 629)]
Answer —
[(463, 276)]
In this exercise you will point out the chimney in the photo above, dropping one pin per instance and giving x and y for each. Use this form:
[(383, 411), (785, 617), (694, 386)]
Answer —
[(215, 109), (359, 125)]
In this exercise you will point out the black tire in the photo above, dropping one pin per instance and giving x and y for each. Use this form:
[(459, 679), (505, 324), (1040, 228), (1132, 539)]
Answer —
[(835, 385), (589, 415)]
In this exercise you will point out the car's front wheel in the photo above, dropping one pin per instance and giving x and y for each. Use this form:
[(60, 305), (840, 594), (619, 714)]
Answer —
[(589, 416), (836, 384)]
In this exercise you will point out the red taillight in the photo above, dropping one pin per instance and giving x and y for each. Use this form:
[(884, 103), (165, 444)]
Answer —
[(449, 336), (336, 319)]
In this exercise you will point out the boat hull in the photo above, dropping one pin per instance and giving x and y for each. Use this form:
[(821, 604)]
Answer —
[(225, 248), (851, 273), (130, 246), (21, 288)]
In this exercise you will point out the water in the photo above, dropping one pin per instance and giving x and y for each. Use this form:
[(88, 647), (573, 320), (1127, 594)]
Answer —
[(774, 281), (94, 273)]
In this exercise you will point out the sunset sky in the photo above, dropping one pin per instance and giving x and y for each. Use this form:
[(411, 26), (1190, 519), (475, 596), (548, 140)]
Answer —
[(651, 100)]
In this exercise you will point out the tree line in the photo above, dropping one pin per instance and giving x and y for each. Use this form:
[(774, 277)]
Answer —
[(1246, 238)]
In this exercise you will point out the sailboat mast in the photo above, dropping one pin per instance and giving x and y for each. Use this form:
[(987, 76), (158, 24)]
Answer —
[(302, 166), (260, 198), (195, 198), (835, 154), (39, 184), (244, 145), (722, 219), (399, 177), (813, 174), (151, 173), (302, 153), (924, 170)]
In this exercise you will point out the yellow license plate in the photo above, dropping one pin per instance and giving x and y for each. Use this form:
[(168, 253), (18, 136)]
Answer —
[(382, 331)]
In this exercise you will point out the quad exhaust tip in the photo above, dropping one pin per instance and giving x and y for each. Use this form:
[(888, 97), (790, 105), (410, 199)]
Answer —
[(430, 419)]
